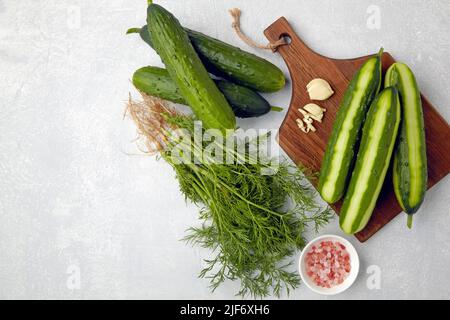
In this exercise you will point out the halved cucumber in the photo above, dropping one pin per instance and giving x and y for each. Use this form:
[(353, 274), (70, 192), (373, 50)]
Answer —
[(410, 160), (343, 142), (377, 144)]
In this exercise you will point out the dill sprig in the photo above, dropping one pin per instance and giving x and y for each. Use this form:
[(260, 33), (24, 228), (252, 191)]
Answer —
[(251, 222)]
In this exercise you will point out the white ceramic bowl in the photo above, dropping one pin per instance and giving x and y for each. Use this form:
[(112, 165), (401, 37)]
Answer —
[(354, 262)]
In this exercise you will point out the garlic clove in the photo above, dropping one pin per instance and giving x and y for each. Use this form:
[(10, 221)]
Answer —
[(301, 125), (310, 127), (307, 120), (318, 119), (311, 112), (319, 89), (303, 112), (313, 109)]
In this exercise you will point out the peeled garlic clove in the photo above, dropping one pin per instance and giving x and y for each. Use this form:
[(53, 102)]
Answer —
[(319, 89), (317, 118), (309, 126), (307, 120), (314, 109), (304, 113), (301, 125)]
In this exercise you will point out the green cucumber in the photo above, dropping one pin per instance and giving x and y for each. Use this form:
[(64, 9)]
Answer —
[(245, 102), (156, 81), (186, 69), (410, 159), (377, 144), (343, 143), (229, 62)]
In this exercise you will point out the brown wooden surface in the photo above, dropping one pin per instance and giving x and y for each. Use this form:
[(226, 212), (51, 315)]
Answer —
[(308, 149)]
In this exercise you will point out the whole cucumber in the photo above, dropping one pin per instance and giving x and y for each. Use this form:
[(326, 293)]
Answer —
[(245, 102), (186, 69), (374, 155), (410, 159), (230, 62), (157, 82), (342, 145)]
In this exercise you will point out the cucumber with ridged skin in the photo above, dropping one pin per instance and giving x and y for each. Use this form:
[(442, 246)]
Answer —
[(377, 144), (245, 102), (229, 62), (410, 159), (185, 68), (342, 145)]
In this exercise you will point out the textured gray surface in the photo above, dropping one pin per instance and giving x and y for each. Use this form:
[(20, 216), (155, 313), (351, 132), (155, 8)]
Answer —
[(78, 201)]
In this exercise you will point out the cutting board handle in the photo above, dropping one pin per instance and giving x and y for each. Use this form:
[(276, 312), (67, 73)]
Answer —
[(296, 53)]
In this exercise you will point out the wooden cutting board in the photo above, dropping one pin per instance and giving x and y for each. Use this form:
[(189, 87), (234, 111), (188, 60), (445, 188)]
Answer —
[(308, 149)]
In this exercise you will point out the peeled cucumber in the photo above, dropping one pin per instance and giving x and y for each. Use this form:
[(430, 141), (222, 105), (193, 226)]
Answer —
[(410, 160), (377, 144), (342, 145)]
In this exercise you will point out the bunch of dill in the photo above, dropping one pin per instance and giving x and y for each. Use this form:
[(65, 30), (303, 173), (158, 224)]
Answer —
[(252, 222)]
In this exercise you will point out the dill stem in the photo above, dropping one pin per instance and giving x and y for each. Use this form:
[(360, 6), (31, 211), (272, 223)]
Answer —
[(219, 221), (245, 199), (206, 173), (244, 219)]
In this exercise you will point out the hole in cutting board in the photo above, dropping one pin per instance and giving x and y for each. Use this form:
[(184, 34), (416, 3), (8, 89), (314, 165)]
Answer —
[(286, 37)]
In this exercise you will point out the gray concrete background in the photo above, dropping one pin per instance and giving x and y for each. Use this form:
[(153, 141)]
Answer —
[(77, 199)]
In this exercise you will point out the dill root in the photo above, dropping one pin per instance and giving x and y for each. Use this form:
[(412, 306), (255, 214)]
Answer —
[(245, 220)]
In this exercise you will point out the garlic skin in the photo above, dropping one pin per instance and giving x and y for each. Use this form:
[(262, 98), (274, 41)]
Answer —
[(319, 89)]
